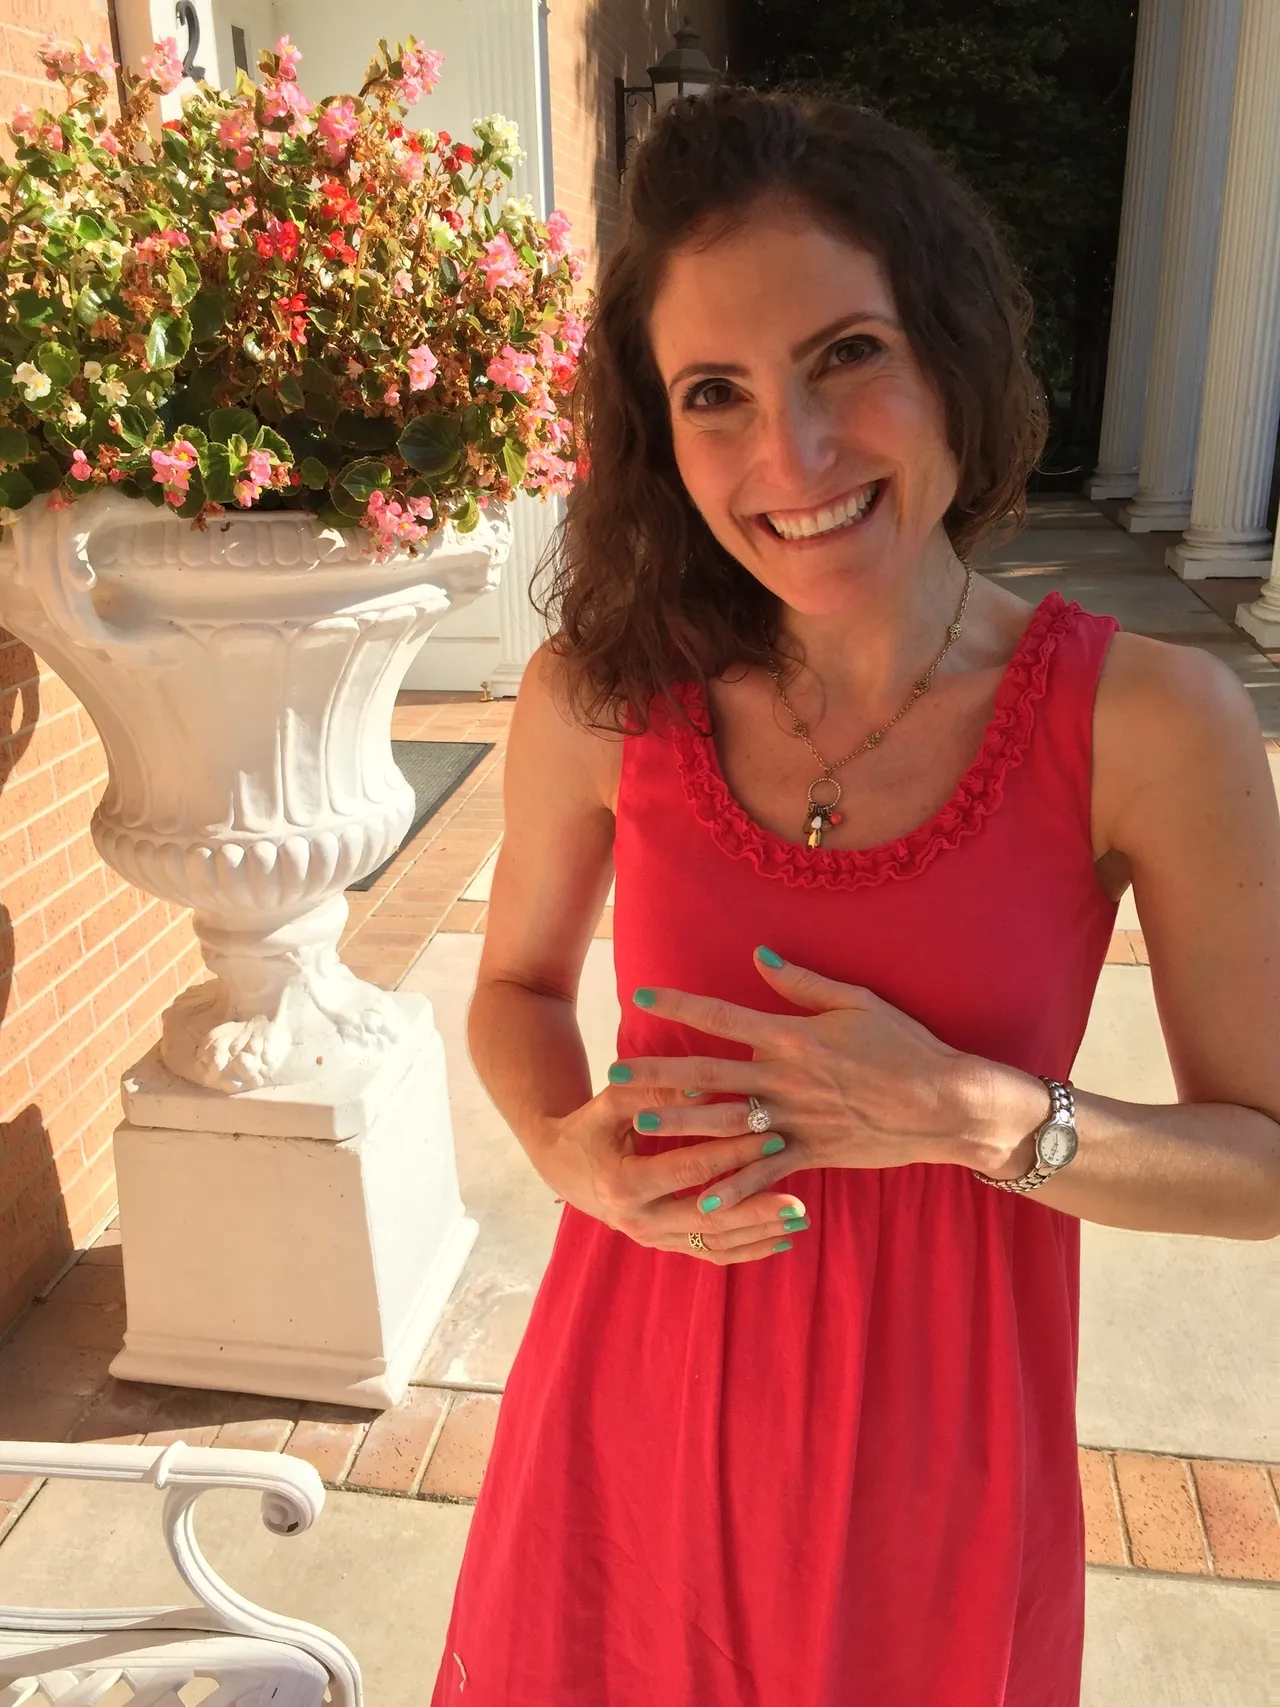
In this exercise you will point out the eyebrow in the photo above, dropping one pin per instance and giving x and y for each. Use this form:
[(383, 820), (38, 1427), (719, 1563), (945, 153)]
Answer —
[(806, 347)]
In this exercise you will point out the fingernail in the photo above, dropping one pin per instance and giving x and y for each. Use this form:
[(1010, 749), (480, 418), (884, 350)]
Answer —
[(620, 1074), (708, 1203), (692, 1093), (771, 1146), (770, 958), (783, 1245), (647, 1122), (791, 1211), (797, 1224), (644, 998)]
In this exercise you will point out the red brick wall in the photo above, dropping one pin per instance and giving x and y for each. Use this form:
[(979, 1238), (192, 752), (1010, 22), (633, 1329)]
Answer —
[(590, 42), (86, 963)]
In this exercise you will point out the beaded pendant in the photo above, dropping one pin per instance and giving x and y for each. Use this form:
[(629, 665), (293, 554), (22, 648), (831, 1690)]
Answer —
[(821, 814)]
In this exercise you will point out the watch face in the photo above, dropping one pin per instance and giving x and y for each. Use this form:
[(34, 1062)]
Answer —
[(1057, 1144)]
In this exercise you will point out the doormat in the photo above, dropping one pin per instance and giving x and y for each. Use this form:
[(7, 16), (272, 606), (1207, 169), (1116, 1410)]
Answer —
[(433, 769)]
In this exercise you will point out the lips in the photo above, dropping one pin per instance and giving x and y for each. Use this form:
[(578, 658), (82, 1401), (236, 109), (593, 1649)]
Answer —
[(804, 528)]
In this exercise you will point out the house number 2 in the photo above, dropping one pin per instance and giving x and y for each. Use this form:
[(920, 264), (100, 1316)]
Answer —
[(189, 19)]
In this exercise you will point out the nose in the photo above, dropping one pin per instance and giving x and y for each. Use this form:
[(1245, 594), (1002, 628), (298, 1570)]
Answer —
[(797, 444)]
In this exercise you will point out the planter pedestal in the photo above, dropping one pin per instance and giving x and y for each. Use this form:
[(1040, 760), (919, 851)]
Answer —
[(320, 1292)]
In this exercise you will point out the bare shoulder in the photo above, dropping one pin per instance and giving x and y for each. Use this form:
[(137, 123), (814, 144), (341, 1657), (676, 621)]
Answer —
[(1172, 724), (550, 742)]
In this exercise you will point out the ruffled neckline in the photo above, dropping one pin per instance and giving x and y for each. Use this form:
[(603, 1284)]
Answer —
[(977, 794)]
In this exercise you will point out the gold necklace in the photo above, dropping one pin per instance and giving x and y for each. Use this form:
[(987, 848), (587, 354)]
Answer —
[(822, 813)]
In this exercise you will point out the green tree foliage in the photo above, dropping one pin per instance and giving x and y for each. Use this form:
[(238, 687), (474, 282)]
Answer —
[(1029, 100)]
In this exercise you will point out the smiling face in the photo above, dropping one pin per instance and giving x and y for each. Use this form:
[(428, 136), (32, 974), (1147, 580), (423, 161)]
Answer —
[(804, 429)]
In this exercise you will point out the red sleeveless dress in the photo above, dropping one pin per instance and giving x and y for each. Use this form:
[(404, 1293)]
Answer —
[(844, 1476)]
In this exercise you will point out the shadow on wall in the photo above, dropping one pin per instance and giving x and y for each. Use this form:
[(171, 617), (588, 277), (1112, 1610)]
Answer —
[(610, 50), (35, 1236)]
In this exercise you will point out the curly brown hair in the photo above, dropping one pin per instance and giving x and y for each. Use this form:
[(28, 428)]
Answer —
[(642, 591)]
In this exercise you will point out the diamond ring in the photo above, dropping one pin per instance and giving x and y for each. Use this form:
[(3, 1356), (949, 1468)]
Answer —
[(695, 1242), (759, 1120)]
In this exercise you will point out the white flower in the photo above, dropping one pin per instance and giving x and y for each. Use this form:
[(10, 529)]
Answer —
[(517, 208), (34, 383), (443, 235), (92, 370), (503, 133), (73, 414), (115, 391)]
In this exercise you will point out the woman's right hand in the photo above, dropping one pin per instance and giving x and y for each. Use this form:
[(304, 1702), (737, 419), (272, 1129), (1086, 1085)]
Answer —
[(590, 1160)]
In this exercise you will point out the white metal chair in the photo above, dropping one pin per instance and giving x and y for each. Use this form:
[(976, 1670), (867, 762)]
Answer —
[(148, 1656)]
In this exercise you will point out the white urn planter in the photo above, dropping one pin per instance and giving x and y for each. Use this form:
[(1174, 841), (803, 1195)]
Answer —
[(289, 1205)]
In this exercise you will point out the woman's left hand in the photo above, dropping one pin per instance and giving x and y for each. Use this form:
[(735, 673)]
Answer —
[(859, 1084)]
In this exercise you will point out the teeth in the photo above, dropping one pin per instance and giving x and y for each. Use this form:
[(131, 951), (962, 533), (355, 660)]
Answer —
[(825, 521)]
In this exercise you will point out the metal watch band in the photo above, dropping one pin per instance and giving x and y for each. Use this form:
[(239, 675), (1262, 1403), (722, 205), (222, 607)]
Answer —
[(1062, 1108)]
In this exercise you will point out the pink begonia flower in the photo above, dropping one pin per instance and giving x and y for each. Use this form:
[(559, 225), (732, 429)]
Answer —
[(552, 473), (337, 125), (576, 265), (246, 493), (390, 524), (115, 475), (558, 227), (261, 466), (164, 66), (238, 128), (288, 55), (500, 263), (410, 165), (422, 368), (513, 369), (51, 137), (172, 469), (57, 501), (97, 60), (60, 58), (391, 397), (402, 283), (23, 122), (283, 99), (227, 224), (80, 469), (421, 508), (111, 142), (423, 65), (573, 329)]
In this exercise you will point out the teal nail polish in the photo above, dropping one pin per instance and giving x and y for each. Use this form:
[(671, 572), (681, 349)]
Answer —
[(645, 998), (620, 1074), (797, 1223), (783, 1245), (708, 1203), (771, 1146), (691, 1093), (647, 1122), (770, 958), (791, 1212)]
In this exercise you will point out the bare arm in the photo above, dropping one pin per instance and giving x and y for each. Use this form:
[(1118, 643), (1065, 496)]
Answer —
[(1183, 791)]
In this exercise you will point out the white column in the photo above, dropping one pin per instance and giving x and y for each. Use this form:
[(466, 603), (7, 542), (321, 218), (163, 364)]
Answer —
[(1146, 183), (1201, 129), (1228, 532), (1262, 617), (520, 629)]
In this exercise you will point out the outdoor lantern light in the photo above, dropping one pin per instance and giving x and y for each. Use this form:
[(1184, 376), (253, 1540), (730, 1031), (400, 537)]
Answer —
[(682, 70)]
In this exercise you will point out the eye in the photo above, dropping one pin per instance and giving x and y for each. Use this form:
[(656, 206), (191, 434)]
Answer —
[(850, 351), (707, 394)]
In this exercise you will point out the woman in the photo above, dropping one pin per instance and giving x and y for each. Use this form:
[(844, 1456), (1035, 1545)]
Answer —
[(793, 1421)]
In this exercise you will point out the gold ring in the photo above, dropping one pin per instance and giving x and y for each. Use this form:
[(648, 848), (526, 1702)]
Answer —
[(695, 1242)]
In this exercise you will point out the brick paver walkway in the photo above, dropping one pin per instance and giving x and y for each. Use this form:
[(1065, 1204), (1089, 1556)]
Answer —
[(1145, 1512)]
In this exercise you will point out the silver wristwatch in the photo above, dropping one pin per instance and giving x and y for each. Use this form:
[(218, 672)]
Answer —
[(1056, 1142)]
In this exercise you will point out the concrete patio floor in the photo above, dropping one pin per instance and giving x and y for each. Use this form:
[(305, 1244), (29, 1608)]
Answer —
[(1174, 1412)]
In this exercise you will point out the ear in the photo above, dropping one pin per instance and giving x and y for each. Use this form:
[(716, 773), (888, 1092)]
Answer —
[(805, 988)]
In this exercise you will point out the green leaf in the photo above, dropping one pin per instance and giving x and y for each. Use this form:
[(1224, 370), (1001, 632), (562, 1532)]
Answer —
[(471, 423), (423, 488), (324, 319), (176, 151), (314, 473), (450, 277), (363, 478), (330, 516), (322, 407), (169, 338), (515, 461), (208, 314), (15, 446), (365, 432), (61, 364), (291, 392), (34, 309), (466, 519), (183, 281), (316, 377), (194, 437), (268, 440), (135, 424), (88, 229), (91, 302), (45, 473), (370, 343), (352, 508), (219, 479), (431, 444), (252, 348), (223, 423), (15, 489)]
